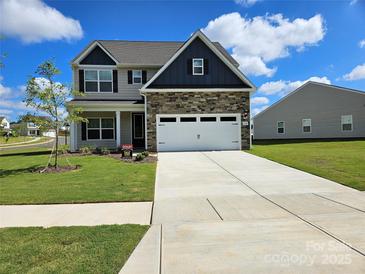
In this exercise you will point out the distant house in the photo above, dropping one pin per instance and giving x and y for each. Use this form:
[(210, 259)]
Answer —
[(31, 129), (314, 110), (4, 123)]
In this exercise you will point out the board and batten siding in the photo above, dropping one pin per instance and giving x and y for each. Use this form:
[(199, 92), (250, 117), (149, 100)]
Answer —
[(125, 91), (323, 104)]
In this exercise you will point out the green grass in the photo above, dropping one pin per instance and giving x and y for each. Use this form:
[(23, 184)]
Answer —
[(340, 161), (100, 179), (18, 139), (99, 249)]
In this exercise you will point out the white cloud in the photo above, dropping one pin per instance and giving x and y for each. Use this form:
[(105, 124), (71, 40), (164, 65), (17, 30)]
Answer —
[(362, 43), (259, 100), (256, 41), (282, 87), (246, 3), (33, 21), (356, 74), (353, 2), (257, 110)]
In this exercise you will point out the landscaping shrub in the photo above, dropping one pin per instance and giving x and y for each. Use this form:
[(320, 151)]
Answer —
[(63, 149), (104, 151), (86, 149), (140, 157), (145, 153)]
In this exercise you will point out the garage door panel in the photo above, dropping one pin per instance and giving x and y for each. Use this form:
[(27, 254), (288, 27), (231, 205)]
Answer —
[(198, 135)]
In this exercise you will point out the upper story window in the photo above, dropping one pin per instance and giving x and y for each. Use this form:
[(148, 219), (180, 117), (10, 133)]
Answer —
[(281, 127), (137, 76), (346, 122), (307, 125), (31, 124), (98, 81), (198, 66)]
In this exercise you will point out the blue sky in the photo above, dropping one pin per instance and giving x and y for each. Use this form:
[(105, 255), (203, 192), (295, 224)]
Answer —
[(279, 44)]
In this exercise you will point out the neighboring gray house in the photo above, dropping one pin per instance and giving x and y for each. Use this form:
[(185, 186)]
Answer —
[(161, 96), (314, 110)]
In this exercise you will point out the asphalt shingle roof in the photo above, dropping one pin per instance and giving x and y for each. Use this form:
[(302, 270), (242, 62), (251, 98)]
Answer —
[(148, 53)]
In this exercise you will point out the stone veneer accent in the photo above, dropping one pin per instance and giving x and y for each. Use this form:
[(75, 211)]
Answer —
[(199, 103)]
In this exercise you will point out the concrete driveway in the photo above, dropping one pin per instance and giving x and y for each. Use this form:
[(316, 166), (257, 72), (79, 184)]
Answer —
[(232, 212)]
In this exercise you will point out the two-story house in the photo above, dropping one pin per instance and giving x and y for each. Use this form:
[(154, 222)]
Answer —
[(161, 96)]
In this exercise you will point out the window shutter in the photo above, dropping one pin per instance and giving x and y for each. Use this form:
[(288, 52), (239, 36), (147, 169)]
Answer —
[(206, 66), (129, 77), (190, 66), (144, 77), (81, 81), (83, 131), (115, 81)]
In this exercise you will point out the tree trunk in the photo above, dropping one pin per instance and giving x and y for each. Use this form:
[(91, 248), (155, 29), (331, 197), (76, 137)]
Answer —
[(56, 155)]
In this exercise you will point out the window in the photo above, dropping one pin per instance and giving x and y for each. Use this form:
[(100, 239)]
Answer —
[(228, 119), (208, 119), (198, 66), (168, 119), (100, 129), (346, 122), (31, 124), (32, 132), (98, 81), (281, 127), (307, 125), (137, 76), (188, 119)]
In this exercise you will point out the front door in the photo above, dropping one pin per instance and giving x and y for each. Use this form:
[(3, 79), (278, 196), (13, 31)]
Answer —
[(138, 137)]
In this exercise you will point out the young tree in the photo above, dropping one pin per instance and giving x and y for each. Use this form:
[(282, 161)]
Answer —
[(46, 95)]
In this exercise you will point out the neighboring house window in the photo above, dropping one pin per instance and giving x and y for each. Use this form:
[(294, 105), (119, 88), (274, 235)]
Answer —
[(281, 127), (100, 129), (31, 124), (98, 81), (307, 125), (346, 122), (137, 76), (198, 66)]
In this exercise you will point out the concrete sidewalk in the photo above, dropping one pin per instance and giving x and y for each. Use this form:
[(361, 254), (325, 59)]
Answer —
[(75, 214), (232, 212)]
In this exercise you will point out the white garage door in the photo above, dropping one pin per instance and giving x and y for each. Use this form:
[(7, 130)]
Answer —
[(198, 132)]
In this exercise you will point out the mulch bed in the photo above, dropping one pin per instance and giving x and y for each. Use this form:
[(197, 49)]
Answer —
[(148, 159), (52, 169)]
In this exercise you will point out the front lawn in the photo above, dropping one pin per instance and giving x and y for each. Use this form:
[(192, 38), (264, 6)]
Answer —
[(340, 161), (99, 249), (18, 139), (100, 179)]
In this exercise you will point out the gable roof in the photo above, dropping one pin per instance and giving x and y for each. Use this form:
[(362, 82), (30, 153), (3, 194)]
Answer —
[(150, 53), (224, 58), (301, 87)]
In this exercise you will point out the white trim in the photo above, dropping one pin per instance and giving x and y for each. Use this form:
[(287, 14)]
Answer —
[(277, 127), (202, 66), (100, 129), (310, 126), (118, 128), (88, 49), (101, 67), (213, 48), (352, 123), (300, 88), (145, 120), (98, 80), (135, 70), (73, 137)]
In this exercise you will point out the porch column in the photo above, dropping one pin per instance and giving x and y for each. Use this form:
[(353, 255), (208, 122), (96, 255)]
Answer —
[(117, 129), (73, 136)]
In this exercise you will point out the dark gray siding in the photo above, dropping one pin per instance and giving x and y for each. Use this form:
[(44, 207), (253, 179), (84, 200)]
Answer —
[(97, 57), (177, 75)]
